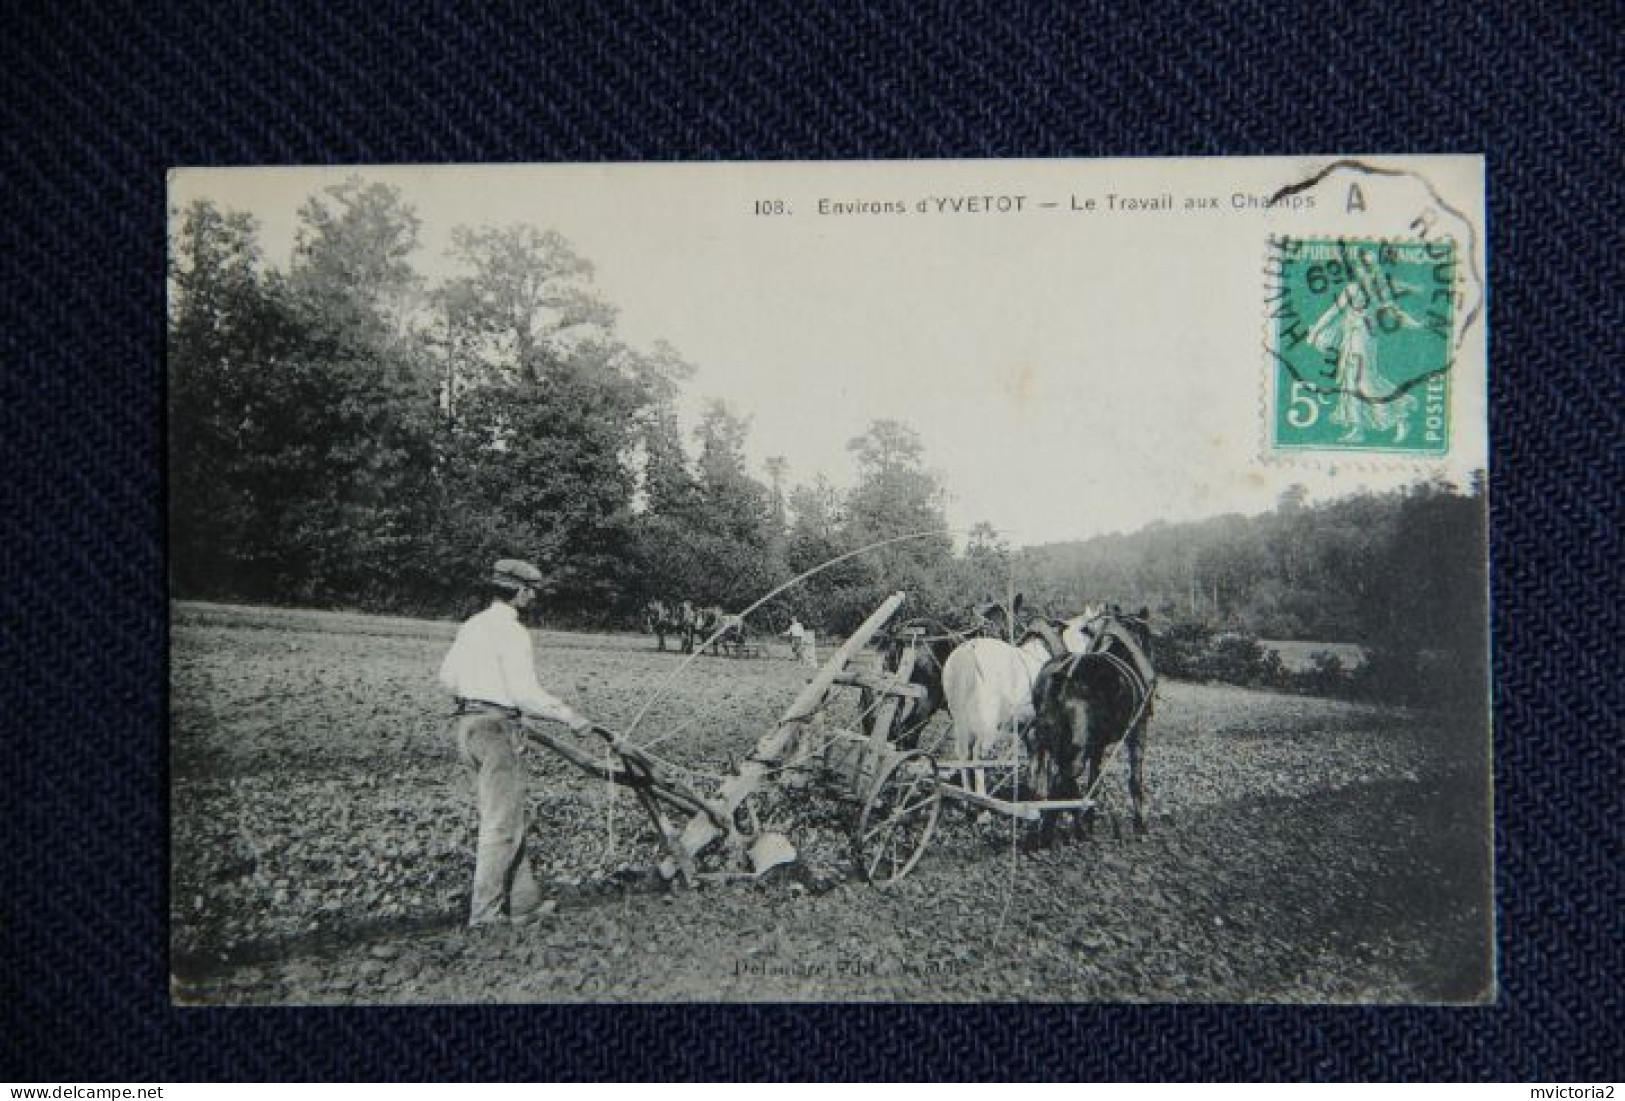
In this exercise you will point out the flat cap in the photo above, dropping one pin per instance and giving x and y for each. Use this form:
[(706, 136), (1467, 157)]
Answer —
[(515, 572)]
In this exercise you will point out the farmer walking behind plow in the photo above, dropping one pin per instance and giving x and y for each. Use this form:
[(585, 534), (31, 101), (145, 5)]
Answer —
[(490, 672)]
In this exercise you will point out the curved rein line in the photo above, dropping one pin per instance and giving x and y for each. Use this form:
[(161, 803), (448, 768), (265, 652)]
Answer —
[(1143, 689), (663, 686)]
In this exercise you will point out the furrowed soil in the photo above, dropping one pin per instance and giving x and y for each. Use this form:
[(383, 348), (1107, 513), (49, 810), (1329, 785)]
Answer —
[(1300, 849)]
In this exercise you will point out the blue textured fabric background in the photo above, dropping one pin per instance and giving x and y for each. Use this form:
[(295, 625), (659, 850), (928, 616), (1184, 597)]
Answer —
[(98, 99)]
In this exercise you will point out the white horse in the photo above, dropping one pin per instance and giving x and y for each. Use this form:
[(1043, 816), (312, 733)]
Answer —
[(987, 685)]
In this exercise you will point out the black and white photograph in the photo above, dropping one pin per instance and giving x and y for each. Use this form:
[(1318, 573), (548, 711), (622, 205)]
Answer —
[(931, 581)]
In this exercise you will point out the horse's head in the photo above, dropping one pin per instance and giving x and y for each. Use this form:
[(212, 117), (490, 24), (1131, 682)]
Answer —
[(1090, 701), (995, 619), (1128, 636), (932, 640), (1139, 625), (1087, 701)]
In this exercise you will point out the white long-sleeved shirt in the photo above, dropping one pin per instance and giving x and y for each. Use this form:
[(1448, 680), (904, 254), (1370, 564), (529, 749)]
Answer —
[(491, 660)]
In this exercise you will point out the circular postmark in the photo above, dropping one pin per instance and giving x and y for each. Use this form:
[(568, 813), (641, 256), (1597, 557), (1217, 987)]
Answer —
[(1363, 326)]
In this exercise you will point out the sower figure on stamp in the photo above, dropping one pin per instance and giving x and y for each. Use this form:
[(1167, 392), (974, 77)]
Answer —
[(490, 672), (1347, 333)]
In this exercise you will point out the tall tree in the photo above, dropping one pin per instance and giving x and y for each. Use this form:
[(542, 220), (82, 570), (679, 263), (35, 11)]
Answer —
[(734, 505), (732, 512), (231, 335), (707, 536), (815, 512), (358, 527), (836, 598), (544, 413), (777, 468), (986, 568), (352, 263), (897, 495), (668, 486), (523, 302)]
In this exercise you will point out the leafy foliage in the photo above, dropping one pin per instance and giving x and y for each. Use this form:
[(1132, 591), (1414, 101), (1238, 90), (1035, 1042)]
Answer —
[(1401, 574), (345, 434)]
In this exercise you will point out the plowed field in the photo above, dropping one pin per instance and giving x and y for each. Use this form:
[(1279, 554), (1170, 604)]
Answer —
[(1300, 849)]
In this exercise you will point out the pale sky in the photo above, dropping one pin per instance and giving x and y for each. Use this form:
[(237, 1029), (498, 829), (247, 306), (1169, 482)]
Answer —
[(1070, 371)]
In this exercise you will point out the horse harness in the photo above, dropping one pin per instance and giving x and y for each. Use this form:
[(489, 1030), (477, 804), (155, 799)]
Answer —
[(1135, 670), (907, 632)]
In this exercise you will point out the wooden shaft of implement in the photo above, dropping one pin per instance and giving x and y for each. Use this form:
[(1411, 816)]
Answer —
[(880, 731), (668, 835), (701, 830), (678, 794), (680, 798)]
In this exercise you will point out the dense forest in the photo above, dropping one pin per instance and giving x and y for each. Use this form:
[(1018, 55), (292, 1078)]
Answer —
[(1402, 574), (345, 433)]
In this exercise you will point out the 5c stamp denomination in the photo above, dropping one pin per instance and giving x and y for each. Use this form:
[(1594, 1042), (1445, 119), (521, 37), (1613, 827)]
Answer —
[(1361, 344)]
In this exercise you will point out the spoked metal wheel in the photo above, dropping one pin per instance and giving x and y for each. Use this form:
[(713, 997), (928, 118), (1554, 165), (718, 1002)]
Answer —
[(899, 818)]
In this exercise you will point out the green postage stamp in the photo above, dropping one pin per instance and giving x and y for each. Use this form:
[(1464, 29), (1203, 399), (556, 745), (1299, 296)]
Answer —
[(1360, 335)]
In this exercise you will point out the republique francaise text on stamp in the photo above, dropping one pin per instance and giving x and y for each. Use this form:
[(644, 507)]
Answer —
[(1361, 347)]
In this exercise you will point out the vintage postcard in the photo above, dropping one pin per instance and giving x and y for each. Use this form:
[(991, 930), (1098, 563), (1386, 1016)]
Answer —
[(927, 581)]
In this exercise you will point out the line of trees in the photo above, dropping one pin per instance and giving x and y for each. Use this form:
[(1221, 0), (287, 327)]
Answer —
[(1403, 573), (345, 433), (1363, 568)]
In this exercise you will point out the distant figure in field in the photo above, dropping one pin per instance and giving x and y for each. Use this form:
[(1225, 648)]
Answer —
[(803, 643)]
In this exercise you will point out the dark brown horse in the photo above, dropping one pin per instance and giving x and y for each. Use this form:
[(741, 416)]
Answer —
[(1085, 704), (670, 617), (933, 642)]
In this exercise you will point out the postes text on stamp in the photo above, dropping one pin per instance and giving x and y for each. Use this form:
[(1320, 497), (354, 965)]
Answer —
[(1360, 341)]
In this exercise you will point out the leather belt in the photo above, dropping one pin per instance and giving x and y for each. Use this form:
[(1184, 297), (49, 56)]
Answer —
[(471, 707)]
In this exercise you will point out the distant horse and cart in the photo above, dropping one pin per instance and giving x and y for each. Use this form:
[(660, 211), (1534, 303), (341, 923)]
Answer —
[(691, 625)]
